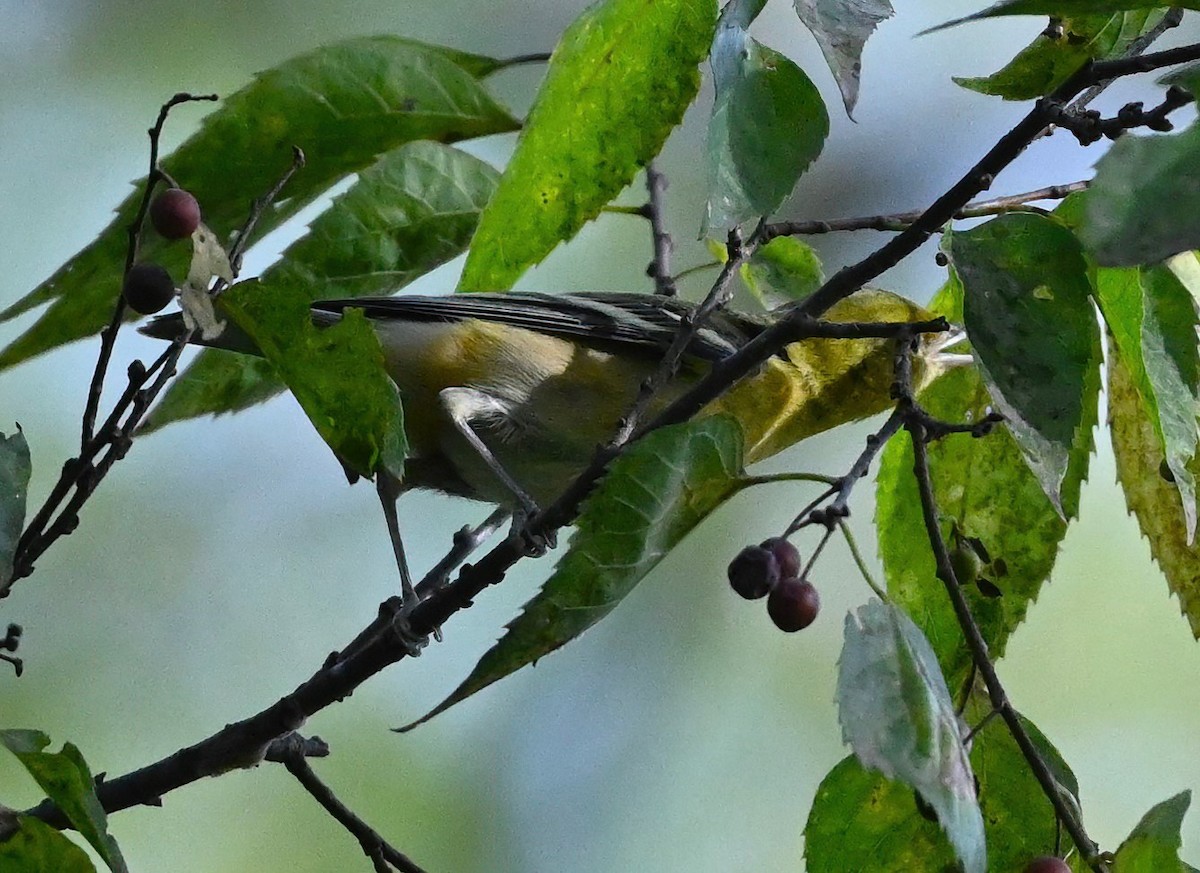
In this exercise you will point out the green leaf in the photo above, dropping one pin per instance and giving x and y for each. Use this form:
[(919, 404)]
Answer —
[(1153, 847), (618, 82), (768, 124), (336, 373), (1144, 202), (1029, 316), (1152, 316), (841, 29), (66, 779), (15, 468), (1060, 7), (344, 104), (412, 210), (1048, 61), (653, 495), (897, 716), (36, 847), (984, 487), (783, 268), (1019, 818), (1152, 500), (860, 820)]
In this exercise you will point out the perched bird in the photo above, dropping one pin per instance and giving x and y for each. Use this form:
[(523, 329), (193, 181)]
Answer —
[(506, 396)]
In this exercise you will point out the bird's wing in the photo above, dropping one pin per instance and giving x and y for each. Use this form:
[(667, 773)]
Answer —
[(644, 320)]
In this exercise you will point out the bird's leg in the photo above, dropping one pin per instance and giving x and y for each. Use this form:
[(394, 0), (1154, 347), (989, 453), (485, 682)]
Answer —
[(389, 489), (464, 405)]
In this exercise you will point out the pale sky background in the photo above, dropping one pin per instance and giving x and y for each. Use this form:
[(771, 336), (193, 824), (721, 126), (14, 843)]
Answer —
[(222, 560)]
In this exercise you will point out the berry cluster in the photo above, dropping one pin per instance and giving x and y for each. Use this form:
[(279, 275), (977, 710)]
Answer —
[(773, 568), (148, 287)]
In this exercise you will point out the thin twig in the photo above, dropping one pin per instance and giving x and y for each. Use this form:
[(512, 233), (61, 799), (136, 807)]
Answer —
[(520, 60), (228, 746), (978, 647), (83, 474), (660, 265), (256, 212), (899, 221), (862, 564), (383, 855), (108, 336)]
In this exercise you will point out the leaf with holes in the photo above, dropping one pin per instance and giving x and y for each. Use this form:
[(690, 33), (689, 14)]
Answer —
[(983, 487)]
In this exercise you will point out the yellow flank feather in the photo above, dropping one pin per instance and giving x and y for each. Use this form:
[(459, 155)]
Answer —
[(823, 383)]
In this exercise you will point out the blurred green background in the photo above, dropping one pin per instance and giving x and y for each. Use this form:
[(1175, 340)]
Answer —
[(223, 559)]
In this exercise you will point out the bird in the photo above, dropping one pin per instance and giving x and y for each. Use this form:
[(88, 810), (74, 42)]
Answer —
[(507, 395)]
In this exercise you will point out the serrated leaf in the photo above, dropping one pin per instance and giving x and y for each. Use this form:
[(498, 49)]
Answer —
[(618, 82), (984, 487), (861, 820), (1033, 331), (343, 104), (1152, 317), (35, 847), (15, 467), (897, 716), (412, 210), (1048, 61), (1143, 204), (65, 778), (768, 124), (1153, 846), (783, 270), (1058, 8), (1152, 500), (336, 373), (841, 28), (653, 495)]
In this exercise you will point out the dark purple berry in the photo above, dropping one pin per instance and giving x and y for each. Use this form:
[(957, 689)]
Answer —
[(754, 572), (175, 213), (793, 604), (786, 554), (147, 288), (1047, 864)]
